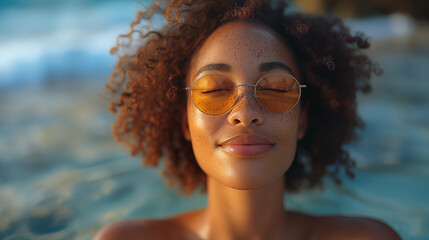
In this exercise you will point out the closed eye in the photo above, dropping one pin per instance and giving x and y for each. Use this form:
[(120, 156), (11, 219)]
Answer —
[(214, 91), (274, 90)]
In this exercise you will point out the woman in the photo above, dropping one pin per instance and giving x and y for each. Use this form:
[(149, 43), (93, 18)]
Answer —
[(242, 101)]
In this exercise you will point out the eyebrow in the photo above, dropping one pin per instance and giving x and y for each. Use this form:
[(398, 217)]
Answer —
[(263, 67), (268, 66), (215, 66)]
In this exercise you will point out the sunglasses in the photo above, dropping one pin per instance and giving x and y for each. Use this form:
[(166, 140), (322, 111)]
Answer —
[(215, 94)]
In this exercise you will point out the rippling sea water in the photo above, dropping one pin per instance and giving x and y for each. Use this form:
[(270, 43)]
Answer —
[(62, 176)]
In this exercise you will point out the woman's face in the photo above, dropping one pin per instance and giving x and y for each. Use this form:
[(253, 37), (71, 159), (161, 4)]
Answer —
[(246, 147)]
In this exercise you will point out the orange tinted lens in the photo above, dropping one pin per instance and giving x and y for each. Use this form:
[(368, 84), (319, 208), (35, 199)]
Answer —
[(278, 92), (214, 94)]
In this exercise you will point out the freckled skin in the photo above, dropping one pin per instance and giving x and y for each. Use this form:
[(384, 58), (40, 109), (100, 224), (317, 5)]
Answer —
[(244, 49)]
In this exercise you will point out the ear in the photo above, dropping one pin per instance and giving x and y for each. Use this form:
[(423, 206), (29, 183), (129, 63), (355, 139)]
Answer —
[(303, 123), (185, 125)]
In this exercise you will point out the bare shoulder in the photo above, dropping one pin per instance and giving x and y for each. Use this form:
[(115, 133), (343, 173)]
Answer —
[(131, 229), (339, 227), (143, 229)]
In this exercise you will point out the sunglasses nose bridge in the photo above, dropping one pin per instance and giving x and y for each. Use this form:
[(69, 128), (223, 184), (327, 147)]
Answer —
[(249, 92), (252, 89)]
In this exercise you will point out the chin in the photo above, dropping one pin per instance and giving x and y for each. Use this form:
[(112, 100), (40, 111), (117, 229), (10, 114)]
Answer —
[(248, 182), (245, 174), (249, 187)]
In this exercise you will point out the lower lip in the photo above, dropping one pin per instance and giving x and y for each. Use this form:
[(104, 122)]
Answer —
[(247, 150)]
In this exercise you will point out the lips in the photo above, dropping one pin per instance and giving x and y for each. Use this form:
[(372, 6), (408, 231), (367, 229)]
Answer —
[(246, 145)]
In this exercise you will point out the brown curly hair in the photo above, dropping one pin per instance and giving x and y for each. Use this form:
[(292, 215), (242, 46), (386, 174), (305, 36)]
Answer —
[(148, 81)]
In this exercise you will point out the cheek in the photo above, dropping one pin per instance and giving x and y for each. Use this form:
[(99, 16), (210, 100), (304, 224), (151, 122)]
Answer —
[(201, 126), (203, 129), (286, 127), (287, 124)]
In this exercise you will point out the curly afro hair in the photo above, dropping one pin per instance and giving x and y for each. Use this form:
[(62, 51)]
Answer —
[(148, 81)]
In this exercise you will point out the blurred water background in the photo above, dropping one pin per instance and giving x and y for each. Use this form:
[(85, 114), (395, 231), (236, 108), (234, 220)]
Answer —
[(62, 176)]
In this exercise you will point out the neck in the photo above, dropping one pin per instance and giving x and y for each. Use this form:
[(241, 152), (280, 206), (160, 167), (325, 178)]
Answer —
[(241, 214)]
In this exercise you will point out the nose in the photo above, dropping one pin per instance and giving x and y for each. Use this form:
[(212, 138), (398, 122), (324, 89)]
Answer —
[(246, 110)]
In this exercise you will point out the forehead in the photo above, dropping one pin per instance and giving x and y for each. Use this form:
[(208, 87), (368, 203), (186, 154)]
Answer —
[(243, 45)]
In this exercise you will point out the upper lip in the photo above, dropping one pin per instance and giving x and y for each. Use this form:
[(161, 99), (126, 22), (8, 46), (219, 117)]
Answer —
[(246, 139)]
